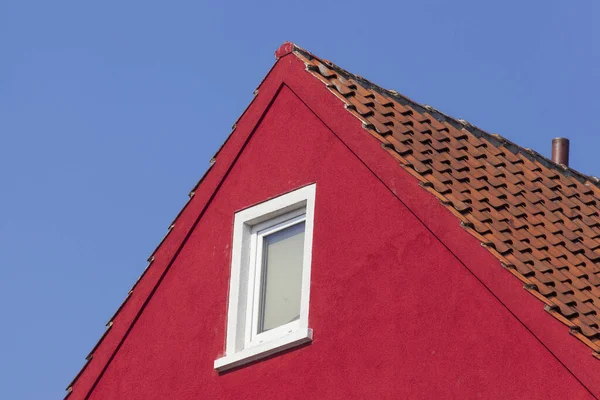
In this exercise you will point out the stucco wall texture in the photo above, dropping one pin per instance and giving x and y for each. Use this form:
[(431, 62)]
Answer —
[(402, 301)]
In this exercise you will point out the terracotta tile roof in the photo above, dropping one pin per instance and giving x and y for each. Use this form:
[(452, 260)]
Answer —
[(540, 219)]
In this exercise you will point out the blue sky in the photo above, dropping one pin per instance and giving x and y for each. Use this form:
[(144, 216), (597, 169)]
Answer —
[(110, 112)]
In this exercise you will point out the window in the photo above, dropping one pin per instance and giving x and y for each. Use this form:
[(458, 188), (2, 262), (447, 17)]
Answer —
[(270, 278)]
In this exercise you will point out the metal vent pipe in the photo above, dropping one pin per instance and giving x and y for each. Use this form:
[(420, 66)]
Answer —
[(560, 151)]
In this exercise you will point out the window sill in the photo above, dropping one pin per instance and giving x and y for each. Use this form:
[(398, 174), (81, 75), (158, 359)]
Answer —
[(263, 350)]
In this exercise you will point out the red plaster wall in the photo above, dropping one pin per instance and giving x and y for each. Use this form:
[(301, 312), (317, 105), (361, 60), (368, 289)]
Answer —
[(394, 312)]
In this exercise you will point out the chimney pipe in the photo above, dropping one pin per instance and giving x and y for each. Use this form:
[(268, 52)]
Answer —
[(560, 151)]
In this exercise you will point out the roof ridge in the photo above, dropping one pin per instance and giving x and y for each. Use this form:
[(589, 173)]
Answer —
[(494, 138)]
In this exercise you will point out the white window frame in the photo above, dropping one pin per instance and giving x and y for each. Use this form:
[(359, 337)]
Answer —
[(244, 344), (255, 279)]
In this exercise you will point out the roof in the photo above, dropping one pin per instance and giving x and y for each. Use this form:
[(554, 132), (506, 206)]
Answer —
[(540, 219)]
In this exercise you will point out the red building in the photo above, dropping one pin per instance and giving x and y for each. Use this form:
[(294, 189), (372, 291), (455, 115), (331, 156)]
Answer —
[(349, 243)]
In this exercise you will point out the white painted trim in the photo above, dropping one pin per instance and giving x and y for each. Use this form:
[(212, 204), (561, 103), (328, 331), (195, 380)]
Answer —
[(247, 224), (251, 354)]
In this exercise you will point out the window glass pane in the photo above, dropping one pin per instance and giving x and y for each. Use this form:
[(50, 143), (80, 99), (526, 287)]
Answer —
[(281, 277)]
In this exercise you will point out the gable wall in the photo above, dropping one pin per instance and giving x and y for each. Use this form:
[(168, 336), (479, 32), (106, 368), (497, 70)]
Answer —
[(394, 313)]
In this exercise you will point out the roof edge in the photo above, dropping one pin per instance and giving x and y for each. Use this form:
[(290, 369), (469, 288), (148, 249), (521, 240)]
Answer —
[(191, 197), (495, 139)]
